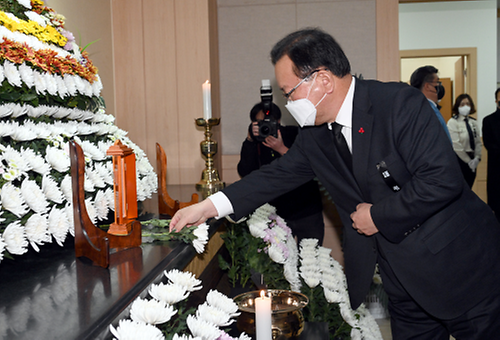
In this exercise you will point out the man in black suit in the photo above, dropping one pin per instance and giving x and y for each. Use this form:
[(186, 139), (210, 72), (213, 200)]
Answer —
[(491, 140), (402, 199)]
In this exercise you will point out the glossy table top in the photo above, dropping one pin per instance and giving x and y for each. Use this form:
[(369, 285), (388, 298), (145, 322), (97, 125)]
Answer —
[(53, 295)]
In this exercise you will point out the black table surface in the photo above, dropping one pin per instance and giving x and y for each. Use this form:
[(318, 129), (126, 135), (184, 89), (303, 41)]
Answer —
[(54, 295)]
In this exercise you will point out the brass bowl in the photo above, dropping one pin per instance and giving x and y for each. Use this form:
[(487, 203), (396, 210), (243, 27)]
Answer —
[(286, 315)]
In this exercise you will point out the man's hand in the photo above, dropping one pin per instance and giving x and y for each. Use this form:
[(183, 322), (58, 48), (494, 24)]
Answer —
[(276, 143), (362, 220), (193, 215)]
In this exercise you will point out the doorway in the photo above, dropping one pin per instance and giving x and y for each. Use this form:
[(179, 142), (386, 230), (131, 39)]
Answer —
[(457, 71)]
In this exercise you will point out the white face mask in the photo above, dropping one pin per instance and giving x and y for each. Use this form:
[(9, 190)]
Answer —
[(464, 110), (303, 110)]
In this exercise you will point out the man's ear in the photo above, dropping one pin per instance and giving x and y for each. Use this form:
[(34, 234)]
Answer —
[(327, 81)]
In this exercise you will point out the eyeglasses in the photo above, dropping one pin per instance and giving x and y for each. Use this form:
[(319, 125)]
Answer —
[(289, 93)]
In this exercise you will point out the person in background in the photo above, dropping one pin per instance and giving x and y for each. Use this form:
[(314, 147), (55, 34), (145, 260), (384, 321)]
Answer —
[(465, 137), (426, 79), (491, 140), (301, 208)]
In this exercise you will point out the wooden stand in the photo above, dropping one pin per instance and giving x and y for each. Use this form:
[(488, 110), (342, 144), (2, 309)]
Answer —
[(166, 204), (90, 241)]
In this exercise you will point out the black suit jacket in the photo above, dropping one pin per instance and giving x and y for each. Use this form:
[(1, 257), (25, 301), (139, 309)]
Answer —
[(439, 238)]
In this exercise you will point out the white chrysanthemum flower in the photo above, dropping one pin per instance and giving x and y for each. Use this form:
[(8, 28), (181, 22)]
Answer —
[(221, 301), (33, 16), (96, 179), (79, 83), (70, 84), (292, 275), (23, 133), (276, 254), (151, 311), (15, 159), (36, 162), (12, 74), (15, 239), (58, 225), (61, 86), (311, 277), (66, 188), (58, 159), (25, 3), (201, 233), (104, 172), (203, 329), (258, 229), (26, 74), (93, 151), (130, 330), (169, 293), (91, 210), (6, 128), (333, 296), (97, 86), (40, 85), (185, 279), (101, 205), (6, 110), (51, 84), (12, 200), (88, 184), (213, 315), (34, 196), (70, 215), (51, 189), (2, 76), (37, 231)]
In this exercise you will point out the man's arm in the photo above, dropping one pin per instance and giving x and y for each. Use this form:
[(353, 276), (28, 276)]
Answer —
[(217, 205)]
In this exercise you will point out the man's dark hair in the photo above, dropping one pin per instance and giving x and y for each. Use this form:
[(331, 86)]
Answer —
[(310, 49), (459, 99), (496, 93), (275, 111), (422, 75)]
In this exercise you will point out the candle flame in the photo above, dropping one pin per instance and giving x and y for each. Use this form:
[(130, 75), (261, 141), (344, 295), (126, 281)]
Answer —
[(262, 294), (207, 82)]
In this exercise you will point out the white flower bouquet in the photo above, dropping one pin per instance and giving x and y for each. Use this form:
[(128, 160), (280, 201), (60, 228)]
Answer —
[(311, 271), (49, 94), (167, 316)]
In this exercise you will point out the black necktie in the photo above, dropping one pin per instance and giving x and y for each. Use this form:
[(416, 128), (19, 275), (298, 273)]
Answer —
[(471, 135), (341, 145)]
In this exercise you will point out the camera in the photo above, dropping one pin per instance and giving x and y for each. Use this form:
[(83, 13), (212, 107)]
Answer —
[(268, 126)]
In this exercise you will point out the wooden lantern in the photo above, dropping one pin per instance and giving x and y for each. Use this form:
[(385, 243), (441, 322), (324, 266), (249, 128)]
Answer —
[(125, 188)]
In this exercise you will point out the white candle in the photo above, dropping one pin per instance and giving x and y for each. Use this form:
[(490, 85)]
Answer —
[(207, 101), (263, 328)]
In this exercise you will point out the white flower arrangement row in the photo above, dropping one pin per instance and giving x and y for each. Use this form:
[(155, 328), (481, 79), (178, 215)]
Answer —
[(316, 267), (44, 82), (15, 110), (146, 315)]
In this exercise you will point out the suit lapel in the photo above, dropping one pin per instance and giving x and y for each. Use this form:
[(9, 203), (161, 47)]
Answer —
[(362, 122)]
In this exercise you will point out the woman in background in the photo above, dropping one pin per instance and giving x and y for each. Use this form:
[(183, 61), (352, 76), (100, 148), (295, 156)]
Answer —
[(465, 137)]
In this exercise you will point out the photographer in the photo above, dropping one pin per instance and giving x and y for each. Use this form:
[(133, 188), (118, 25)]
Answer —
[(301, 208)]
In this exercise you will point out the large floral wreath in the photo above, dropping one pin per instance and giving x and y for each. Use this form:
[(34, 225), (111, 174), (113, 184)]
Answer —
[(49, 94)]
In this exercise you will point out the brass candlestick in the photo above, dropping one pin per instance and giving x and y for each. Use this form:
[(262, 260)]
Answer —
[(210, 182)]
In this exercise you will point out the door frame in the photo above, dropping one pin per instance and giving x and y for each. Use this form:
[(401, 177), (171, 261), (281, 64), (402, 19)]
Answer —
[(471, 65)]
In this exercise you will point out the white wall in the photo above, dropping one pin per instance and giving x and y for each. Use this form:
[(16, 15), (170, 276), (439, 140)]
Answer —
[(456, 24), (248, 29)]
